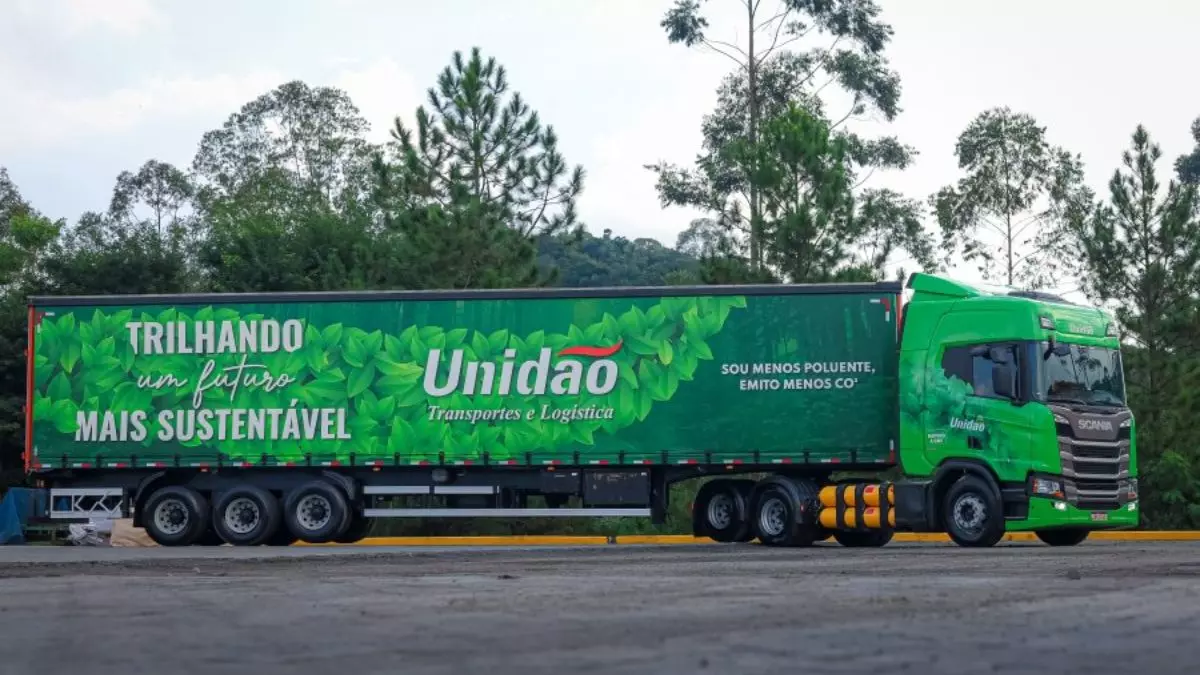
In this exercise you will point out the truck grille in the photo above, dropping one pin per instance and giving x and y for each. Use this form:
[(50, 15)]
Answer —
[(1095, 458)]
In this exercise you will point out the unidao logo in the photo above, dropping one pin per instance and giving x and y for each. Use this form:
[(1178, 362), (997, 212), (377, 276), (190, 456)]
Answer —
[(566, 377)]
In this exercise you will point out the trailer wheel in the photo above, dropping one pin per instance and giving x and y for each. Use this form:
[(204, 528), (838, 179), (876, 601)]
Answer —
[(317, 512), (1063, 537), (246, 515), (972, 513), (719, 512), (872, 539), (176, 515), (359, 527), (745, 488), (777, 507)]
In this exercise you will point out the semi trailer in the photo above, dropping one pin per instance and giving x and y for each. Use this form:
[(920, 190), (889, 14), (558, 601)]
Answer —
[(806, 412)]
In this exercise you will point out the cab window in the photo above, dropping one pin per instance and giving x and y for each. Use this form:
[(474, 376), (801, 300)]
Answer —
[(974, 365)]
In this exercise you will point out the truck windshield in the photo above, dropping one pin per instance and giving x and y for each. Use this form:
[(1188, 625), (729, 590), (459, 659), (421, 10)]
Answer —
[(1071, 373)]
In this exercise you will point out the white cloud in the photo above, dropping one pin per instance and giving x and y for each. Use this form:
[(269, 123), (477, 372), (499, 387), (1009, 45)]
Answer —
[(128, 17), (125, 17), (46, 119)]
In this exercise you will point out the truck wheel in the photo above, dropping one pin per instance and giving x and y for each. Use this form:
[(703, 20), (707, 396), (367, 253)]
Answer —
[(745, 488), (873, 539), (776, 513), (246, 515), (176, 516), (1065, 537), (972, 514), (720, 512), (317, 512), (359, 527)]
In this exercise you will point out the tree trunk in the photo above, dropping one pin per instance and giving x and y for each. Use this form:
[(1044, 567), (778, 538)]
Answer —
[(756, 254)]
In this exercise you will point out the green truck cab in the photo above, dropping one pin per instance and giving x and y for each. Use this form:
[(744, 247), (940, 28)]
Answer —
[(1028, 388), (805, 412)]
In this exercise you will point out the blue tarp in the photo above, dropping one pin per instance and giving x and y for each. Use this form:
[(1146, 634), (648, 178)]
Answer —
[(16, 509)]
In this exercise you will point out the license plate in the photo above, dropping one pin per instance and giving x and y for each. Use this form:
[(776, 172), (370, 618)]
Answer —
[(1099, 516)]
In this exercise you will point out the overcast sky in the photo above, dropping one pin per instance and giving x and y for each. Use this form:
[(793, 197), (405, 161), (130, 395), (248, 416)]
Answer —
[(93, 87)]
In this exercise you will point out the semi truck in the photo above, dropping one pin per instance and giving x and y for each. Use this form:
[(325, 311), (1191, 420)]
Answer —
[(805, 412)]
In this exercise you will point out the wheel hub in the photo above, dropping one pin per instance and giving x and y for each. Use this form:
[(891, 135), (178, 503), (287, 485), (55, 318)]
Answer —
[(771, 517), (970, 513), (171, 516), (720, 511), (242, 515), (313, 512)]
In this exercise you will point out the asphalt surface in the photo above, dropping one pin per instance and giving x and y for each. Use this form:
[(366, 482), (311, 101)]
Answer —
[(1018, 608)]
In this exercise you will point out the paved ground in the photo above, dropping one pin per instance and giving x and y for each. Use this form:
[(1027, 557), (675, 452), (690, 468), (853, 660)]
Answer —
[(1098, 608)]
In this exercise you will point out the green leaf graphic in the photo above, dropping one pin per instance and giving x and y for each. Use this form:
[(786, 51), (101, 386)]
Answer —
[(85, 361)]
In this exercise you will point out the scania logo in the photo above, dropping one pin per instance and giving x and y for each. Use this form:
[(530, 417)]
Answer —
[(1095, 425)]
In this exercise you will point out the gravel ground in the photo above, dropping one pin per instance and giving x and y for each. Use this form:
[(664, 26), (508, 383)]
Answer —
[(1097, 608)]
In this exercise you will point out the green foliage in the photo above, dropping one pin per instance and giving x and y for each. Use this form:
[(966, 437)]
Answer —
[(770, 79), (583, 260), (481, 147), (1141, 255), (1188, 166), (88, 363), (1006, 214)]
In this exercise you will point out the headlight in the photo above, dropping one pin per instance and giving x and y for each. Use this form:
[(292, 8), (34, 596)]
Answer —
[(1126, 424), (1059, 419), (1047, 487), (1131, 489)]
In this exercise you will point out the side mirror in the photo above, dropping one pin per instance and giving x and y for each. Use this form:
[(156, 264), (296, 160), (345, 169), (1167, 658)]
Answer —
[(1000, 355), (1003, 376)]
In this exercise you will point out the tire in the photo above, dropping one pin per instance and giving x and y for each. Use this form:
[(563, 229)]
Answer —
[(316, 512), (776, 509), (359, 527), (176, 516), (873, 539), (972, 513), (1063, 537), (746, 488), (719, 512), (246, 515)]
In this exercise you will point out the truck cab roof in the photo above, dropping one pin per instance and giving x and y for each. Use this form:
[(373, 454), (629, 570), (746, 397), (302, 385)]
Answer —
[(1029, 314)]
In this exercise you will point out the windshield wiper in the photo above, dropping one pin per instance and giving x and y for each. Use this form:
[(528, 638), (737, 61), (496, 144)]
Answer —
[(1066, 399)]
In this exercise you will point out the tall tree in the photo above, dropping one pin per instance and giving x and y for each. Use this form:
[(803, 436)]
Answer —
[(312, 137), (1006, 213), (850, 41), (1188, 166), (1141, 254), (482, 143), (158, 192), (285, 197), (25, 237), (24, 234), (479, 180)]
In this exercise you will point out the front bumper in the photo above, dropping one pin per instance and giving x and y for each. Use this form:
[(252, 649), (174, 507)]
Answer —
[(1044, 515)]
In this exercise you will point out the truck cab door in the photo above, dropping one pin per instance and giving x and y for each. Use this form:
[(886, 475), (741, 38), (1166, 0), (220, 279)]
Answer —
[(981, 414)]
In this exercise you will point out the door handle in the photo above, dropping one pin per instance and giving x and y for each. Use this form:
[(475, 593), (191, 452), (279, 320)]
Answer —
[(974, 443)]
